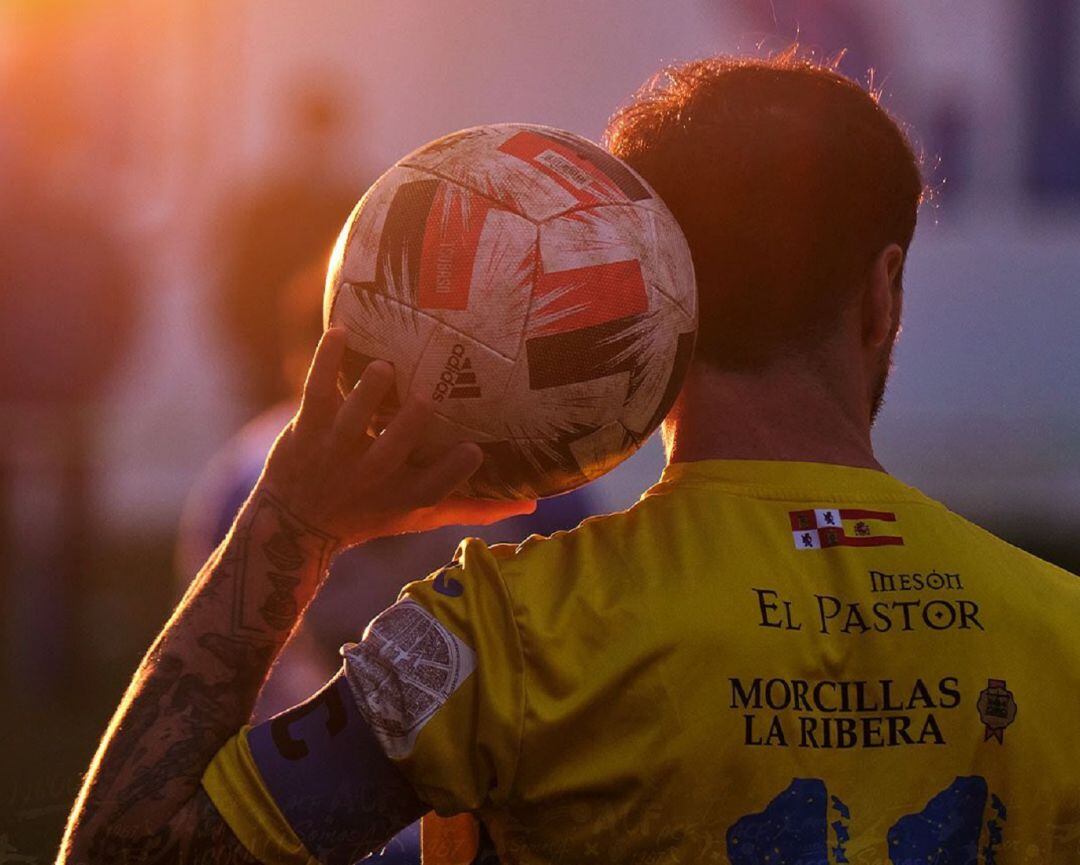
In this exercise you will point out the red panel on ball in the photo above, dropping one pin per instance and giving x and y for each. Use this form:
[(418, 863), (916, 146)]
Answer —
[(583, 296), (451, 235), (561, 164)]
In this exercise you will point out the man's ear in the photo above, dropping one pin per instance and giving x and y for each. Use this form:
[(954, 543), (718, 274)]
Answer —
[(881, 302)]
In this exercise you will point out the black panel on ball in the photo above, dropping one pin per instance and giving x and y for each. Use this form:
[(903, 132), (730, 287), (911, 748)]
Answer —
[(402, 240), (684, 353), (583, 354)]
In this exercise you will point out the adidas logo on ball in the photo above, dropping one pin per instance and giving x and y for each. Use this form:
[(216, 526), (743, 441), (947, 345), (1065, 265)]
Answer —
[(457, 380)]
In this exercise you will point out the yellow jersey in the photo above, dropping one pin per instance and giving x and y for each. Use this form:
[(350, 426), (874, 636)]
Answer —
[(760, 663)]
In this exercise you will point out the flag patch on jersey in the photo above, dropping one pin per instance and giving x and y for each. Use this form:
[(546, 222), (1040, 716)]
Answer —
[(822, 528)]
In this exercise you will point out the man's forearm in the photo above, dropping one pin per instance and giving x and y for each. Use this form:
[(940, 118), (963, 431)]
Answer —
[(197, 684), (327, 483)]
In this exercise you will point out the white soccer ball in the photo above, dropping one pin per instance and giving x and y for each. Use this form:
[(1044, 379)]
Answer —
[(534, 286)]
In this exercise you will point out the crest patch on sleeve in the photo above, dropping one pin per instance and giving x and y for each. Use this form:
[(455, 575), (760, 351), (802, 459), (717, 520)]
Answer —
[(403, 671)]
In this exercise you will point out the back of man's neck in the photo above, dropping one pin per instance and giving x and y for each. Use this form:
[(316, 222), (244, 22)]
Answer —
[(781, 415)]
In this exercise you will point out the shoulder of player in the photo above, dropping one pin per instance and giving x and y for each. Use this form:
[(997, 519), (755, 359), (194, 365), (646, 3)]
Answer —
[(594, 539), (1019, 560)]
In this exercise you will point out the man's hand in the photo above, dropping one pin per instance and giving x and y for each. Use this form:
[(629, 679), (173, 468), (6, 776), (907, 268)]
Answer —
[(331, 472), (328, 483)]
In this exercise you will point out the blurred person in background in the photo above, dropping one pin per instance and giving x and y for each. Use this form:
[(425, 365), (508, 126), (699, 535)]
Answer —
[(275, 227)]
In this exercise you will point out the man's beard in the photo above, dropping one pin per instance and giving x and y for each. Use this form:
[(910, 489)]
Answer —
[(884, 369)]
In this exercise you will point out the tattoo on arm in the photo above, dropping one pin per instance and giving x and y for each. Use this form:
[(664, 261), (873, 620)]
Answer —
[(196, 688), (211, 840), (279, 552), (196, 836)]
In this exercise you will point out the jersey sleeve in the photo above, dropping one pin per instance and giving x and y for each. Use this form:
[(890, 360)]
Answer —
[(236, 788), (311, 785), (438, 677)]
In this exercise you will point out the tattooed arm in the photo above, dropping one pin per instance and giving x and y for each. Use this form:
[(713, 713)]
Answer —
[(327, 484)]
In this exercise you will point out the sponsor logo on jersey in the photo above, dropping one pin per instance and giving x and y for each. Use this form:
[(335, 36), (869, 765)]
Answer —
[(457, 379), (997, 709), (822, 528)]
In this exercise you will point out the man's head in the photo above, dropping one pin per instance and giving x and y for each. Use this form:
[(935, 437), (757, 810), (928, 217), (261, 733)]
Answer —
[(793, 186)]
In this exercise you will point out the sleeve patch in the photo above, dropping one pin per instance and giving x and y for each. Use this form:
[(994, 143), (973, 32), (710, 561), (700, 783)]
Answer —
[(407, 666)]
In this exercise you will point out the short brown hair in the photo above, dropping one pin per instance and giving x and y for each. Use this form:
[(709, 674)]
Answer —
[(787, 178)]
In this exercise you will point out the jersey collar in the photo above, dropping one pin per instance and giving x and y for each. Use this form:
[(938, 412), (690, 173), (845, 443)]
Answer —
[(787, 479)]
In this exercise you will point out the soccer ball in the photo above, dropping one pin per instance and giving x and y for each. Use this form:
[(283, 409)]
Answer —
[(534, 287)]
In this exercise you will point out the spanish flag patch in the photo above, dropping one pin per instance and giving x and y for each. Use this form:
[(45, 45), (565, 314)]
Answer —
[(822, 528)]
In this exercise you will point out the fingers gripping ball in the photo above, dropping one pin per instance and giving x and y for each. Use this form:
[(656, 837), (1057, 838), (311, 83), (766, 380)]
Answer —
[(533, 287)]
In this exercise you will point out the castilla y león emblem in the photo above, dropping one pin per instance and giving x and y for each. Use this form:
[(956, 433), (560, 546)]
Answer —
[(997, 709)]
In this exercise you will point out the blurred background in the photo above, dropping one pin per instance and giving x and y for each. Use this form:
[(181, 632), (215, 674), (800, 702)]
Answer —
[(173, 174)]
